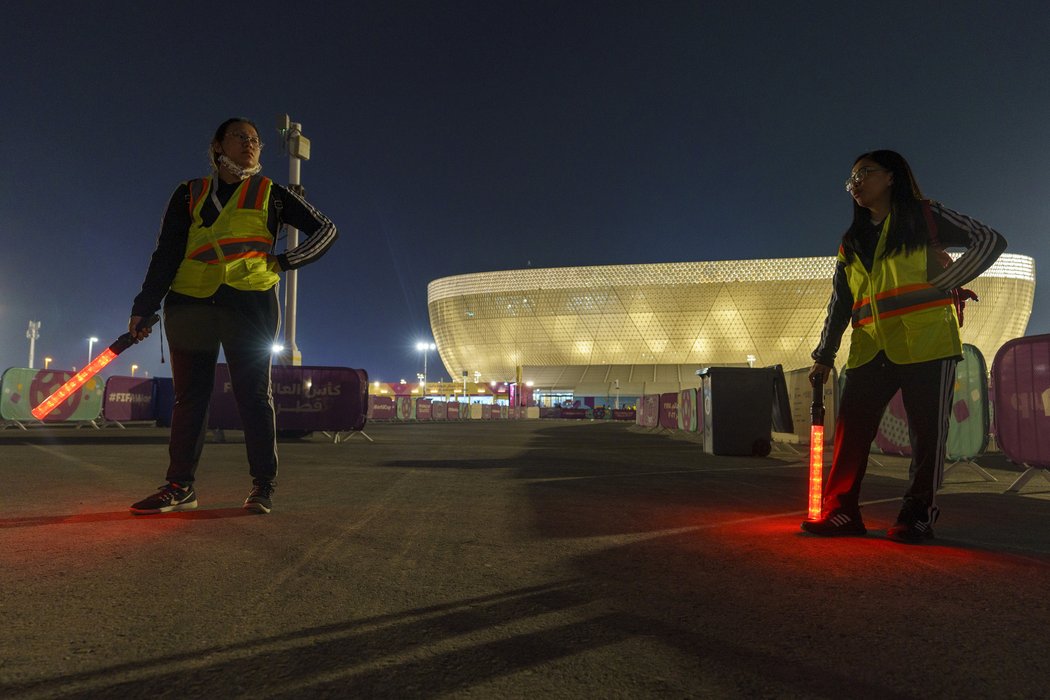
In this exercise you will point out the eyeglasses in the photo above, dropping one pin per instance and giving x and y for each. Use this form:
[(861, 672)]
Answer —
[(248, 139), (858, 177)]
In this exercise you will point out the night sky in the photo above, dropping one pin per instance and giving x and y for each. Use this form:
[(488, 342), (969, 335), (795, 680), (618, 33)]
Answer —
[(457, 137)]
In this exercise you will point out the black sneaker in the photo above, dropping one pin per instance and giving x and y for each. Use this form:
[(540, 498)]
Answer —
[(914, 524), (258, 500), (169, 498), (837, 522)]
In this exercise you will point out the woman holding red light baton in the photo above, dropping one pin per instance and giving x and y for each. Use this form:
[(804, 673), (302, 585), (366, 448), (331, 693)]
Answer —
[(893, 286), (216, 271)]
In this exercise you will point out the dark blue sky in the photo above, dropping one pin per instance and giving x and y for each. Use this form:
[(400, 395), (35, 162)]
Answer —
[(468, 136)]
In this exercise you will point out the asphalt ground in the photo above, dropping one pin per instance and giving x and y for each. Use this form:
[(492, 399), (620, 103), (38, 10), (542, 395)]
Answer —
[(505, 559)]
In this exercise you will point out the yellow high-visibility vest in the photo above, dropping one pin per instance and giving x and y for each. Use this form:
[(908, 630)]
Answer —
[(232, 251), (897, 310)]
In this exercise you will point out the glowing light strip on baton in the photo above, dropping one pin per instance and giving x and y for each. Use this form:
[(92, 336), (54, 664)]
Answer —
[(816, 451), (79, 379), (94, 367)]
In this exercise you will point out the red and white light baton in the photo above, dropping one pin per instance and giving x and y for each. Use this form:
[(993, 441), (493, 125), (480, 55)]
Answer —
[(816, 449), (80, 378)]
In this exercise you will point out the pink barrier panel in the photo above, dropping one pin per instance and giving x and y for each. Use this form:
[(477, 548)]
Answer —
[(128, 399), (486, 412), (575, 413), (424, 409), (1021, 398), (452, 411), (382, 408), (649, 411), (624, 414), (668, 417), (892, 437), (439, 410)]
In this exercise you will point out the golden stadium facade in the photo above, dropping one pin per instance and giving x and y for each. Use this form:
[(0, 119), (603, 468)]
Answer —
[(653, 325)]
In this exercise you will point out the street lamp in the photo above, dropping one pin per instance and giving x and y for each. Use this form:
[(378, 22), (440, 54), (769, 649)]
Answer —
[(91, 345), (133, 368), (425, 348)]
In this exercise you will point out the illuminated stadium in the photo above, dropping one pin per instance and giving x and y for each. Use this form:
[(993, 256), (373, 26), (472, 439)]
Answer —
[(649, 327)]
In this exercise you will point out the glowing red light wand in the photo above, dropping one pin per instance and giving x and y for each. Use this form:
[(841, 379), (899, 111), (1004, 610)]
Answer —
[(80, 378), (816, 449)]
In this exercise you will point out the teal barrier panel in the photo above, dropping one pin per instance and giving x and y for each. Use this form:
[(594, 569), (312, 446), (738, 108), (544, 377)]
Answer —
[(971, 409), (406, 408), (25, 388), (687, 410)]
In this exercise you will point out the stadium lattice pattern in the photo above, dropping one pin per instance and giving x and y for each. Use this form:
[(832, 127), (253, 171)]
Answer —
[(691, 313)]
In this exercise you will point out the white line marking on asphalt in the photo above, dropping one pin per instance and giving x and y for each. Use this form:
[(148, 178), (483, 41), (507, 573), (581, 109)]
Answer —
[(676, 471)]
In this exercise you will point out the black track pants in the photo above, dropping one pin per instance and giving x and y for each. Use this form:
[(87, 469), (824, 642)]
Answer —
[(927, 389), (245, 325)]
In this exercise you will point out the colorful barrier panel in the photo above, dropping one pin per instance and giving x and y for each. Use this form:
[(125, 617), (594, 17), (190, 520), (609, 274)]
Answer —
[(439, 410), (23, 388), (382, 408), (892, 437), (649, 411), (406, 408), (668, 417), (625, 414), (574, 413), (305, 399), (129, 399), (687, 413), (1021, 396), (967, 423), (968, 426), (452, 411)]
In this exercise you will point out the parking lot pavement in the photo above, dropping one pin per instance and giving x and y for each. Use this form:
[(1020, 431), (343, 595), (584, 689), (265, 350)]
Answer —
[(504, 559)]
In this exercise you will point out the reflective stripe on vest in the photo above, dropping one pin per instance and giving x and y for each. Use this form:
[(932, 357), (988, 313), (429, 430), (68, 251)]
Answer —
[(902, 300)]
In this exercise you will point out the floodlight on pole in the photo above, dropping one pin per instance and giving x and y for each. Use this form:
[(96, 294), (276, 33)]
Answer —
[(91, 346), (133, 368), (425, 348), (298, 147), (48, 361)]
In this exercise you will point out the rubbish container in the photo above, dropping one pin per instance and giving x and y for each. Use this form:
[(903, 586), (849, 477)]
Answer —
[(738, 410)]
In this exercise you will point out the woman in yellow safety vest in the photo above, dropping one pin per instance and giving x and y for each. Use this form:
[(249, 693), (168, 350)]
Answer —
[(216, 270), (898, 290)]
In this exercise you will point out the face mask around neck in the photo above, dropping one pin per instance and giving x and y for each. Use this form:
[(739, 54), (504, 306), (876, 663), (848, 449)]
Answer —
[(238, 171)]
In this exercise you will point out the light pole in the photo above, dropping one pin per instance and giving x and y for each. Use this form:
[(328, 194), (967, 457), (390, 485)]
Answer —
[(133, 368), (425, 348), (33, 332), (47, 362), (91, 345), (298, 147)]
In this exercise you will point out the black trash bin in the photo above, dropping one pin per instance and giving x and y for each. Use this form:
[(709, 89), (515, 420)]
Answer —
[(738, 410)]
